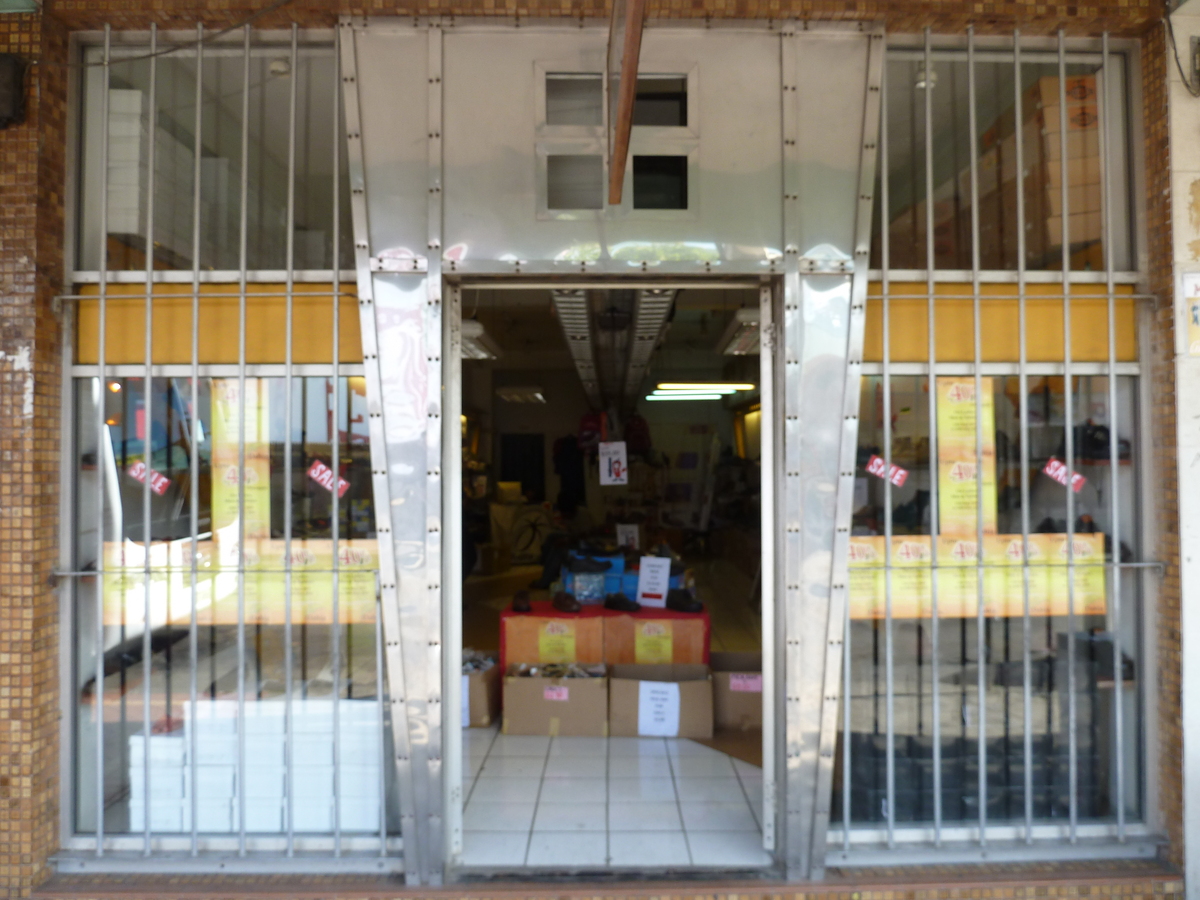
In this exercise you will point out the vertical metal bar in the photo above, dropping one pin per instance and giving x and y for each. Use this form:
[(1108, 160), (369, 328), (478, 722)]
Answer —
[(452, 572), (1114, 455), (289, 725), (889, 659), (241, 376), (101, 439), (382, 713), (1023, 412), (769, 345), (148, 441), (934, 630), (846, 702), (335, 451), (194, 486), (1069, 430), (980, 619)]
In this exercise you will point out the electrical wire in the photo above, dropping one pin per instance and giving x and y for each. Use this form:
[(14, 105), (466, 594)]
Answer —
[(1192, 89), (174, 48)]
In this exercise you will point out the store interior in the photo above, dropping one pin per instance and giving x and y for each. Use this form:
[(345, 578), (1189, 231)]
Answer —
[(611, 561)]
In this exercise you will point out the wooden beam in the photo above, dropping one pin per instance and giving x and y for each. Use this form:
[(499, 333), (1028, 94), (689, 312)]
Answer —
[(624, 48)]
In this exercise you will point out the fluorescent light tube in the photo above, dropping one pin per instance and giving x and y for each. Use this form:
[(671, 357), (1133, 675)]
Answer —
[(741, 336), (683, 396), (708, 388), (476, 343)]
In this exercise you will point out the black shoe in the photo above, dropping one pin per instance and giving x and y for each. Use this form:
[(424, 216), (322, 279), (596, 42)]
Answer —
[(565, 602), (621, 603), (588, 566), (681, 601), (520, 602)]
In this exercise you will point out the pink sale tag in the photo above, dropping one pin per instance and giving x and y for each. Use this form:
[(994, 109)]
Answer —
[(555, 692), (745, 683), (877, 466), (1058, 471)]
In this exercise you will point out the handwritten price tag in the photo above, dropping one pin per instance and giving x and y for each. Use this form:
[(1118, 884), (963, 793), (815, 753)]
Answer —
[(614, 465), (877, 466), (323, 475), (1058, 471), (158, 481), (556, 692)]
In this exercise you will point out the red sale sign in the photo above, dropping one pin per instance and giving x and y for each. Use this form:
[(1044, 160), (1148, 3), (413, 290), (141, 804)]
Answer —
[(323, 475), (158, 481), (1058, 471), (877, 465)]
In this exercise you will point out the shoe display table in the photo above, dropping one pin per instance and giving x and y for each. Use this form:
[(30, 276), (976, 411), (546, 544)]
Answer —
[(599, 635)]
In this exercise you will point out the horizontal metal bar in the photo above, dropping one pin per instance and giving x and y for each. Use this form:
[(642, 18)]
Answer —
[(311, 38), (1044, 833), (231, 864), (600, 280), (999, 368), (215, 276), (995, 852), (994, 56), (212, 844), (218, 370), (1036, 567), (1003, 276), (219, 570)]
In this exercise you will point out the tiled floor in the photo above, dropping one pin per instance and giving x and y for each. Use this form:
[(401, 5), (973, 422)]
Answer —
[(569, 803)]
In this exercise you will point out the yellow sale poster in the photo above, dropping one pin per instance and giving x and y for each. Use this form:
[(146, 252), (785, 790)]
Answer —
[(226, 463), (958, 499)]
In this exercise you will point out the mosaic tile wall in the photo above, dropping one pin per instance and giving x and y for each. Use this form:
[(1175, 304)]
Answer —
[(31, 235)]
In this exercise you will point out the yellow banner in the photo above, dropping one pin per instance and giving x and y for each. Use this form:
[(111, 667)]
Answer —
[(264, 590), (958, 499), (958, 587), (556, 641), (653, 643)]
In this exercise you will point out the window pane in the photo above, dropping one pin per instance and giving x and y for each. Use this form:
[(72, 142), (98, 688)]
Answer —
[(574, 99), (115, 464)]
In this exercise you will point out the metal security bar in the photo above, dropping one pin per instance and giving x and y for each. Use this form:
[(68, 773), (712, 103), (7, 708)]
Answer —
[(197, 568), (1019, 770)]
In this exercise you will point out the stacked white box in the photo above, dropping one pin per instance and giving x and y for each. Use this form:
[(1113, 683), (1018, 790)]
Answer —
[(313, 779)]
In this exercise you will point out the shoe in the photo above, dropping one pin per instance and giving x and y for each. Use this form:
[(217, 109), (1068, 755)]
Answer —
[(588, 566), (565, 602), (681, 601), (621, 603), (520, 602)]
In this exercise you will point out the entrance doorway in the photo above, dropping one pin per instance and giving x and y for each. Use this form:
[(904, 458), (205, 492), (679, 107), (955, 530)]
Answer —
[(610, 436)]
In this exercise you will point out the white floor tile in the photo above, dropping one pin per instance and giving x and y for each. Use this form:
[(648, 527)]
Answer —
[(679, 747), (578, 746), (559, 816), (703, 767), (728, 849), (576, 767), (642, 789), (493, 815), (568, 851), (653, 850), (516, 790), (472, 764), (719, 790), (494, 848), (513, 767), (718, 817), (744, 769), (632, 746), (639, 766), (519, 745), (661, 815), (586, 790)]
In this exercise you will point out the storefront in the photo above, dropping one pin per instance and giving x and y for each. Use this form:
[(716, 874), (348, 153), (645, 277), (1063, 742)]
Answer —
[(379, 418)]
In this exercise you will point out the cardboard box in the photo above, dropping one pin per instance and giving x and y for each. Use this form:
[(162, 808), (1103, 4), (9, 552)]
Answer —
[(575, 707), (660, 701), (481, 698), (553, 639), (638, 641), (737, 691)]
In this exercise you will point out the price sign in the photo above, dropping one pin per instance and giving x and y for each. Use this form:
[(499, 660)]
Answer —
[(654, 579), (158, 481), (323, 475), (878, 467), (1058, 471), (614, 468)]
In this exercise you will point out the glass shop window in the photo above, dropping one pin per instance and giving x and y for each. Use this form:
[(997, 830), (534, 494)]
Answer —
[(155, 595), (128, 177), (660, 182), (661, 101), (574, 98), (923, 522), (1037, 126)]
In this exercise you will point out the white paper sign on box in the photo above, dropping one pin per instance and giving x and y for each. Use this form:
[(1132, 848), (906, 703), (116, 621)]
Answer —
[(654, 580), (613, 463), (658, 709)]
